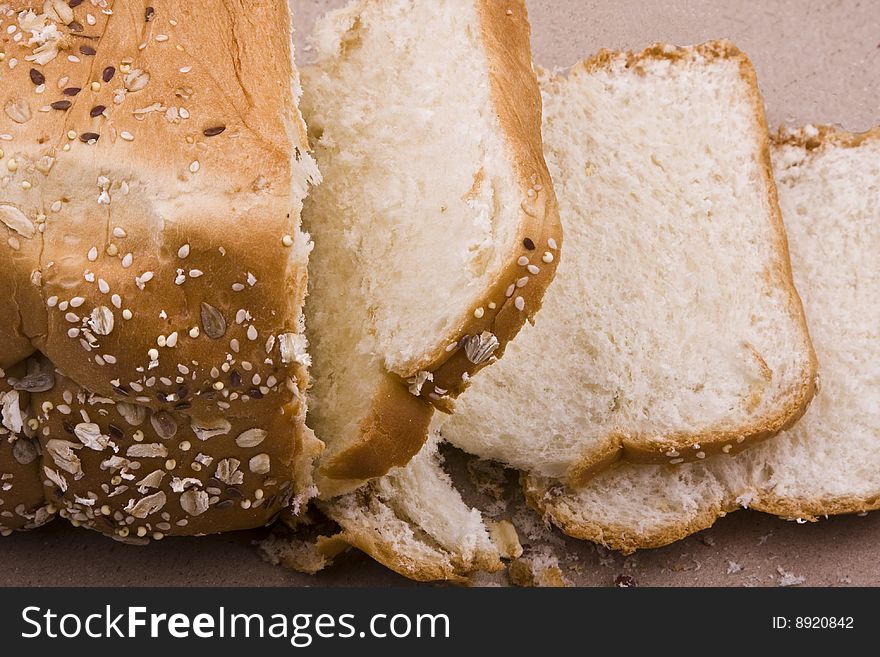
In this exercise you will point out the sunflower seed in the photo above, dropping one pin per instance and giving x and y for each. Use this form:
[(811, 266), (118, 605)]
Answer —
[(213, 322), (164, 425)]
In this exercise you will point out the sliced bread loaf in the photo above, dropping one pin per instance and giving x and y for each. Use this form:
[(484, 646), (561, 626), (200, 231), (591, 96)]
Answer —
[(674, 329), (828, 463), (431, 223)]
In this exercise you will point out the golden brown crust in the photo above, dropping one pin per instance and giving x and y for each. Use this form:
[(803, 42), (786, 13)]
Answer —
[(815, 137), (22, 505), (684, 447), (392, 433), (102, 459)]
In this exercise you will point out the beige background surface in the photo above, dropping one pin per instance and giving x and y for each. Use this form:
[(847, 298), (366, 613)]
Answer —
[(817, 61)]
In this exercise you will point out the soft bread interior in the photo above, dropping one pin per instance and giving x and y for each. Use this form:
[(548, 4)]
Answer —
[(829, 191), (418, 204), (673, 323), (414, 521)]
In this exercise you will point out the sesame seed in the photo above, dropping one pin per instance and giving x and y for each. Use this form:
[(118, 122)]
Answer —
[(95, 86), (76, 302), (126, 314), (492, 305), (548, 257), (287, 240), (218, 385), (523, 261), (93, 254), (153, 353), (103, 286), (196, 273), (116, 300), (552, 244), (73, 318), (127, 260), (520, 303), (237, 287), (194, 332), (183, 251), (194, 166), (479, 312), (533, 269), (252, 333), (126, 135), (509, 292)]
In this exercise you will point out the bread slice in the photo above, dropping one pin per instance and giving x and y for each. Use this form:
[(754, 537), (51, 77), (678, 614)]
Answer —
[(431, 223), (414, 521), (828, 463), (674, 330)]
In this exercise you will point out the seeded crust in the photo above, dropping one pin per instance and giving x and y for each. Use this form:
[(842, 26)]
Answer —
[(21, 490), (551, 501), (656, 449), (505, 307), (149, 207)]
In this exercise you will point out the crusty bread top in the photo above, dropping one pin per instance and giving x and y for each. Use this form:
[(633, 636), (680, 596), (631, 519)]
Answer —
[(147, 197), (153, 169)]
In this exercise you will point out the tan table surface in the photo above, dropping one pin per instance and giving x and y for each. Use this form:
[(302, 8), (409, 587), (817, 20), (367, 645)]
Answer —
[(817, 61)]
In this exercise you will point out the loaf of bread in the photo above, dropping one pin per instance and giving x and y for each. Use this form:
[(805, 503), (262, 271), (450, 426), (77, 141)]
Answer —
[(829, 462), (153, 164), (673, 330), (436, 226)]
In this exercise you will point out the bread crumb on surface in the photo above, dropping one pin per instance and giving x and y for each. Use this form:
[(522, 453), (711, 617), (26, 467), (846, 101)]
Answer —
[(788, 578)]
